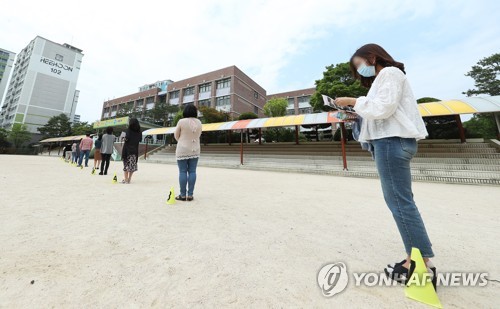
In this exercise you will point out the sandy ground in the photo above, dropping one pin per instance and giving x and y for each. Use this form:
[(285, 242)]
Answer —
[(251, 239)]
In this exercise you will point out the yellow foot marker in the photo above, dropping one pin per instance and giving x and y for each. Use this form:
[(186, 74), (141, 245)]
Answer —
[(171, 197), (115, 179), (419, 286)]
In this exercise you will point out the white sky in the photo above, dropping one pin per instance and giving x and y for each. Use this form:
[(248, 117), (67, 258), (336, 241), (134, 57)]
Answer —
[(131, 43)]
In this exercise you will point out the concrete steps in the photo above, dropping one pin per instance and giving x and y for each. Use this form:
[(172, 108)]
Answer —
[(471, 163)]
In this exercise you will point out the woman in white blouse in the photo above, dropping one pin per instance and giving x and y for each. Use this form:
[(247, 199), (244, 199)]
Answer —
[(392, 125)]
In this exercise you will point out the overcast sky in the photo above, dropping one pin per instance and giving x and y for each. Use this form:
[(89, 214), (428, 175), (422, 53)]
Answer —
[(282, 45)]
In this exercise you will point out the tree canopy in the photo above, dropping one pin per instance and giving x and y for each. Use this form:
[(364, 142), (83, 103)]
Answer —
[(276, 107), (486, 76), (57, 126), (19, 135), (337, 81)]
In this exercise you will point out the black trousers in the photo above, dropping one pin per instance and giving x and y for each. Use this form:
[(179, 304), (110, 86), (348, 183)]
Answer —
[(105, 162)]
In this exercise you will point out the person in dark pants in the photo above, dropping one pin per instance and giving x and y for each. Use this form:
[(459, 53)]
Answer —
[(130, 151), (391, 125), (107, 147)]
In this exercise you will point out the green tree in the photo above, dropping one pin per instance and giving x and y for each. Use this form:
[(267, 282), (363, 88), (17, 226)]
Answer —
[(482, 125), (248, 115), (276, 107), (485, 74), (427, 100), (337, 81), (211, 115), (81, 128), (57, 126), (177, 117), (486, 80), (4, 138), (19, 135), (160, 113)]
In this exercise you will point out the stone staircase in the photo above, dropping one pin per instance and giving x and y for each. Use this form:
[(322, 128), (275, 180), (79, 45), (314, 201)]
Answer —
[(447, 161)]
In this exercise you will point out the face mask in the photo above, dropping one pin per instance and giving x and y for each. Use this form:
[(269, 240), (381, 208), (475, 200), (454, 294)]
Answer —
[(366, 71)]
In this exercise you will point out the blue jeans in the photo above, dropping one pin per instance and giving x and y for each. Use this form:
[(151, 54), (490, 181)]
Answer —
[(83, 153), (392, 157), (187, 175)]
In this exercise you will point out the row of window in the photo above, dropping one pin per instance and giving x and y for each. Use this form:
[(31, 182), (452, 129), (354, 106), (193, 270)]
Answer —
[(207, 87)]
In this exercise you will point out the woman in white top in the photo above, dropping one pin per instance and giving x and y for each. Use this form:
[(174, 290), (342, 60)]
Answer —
[(392, 125), (187, 133)]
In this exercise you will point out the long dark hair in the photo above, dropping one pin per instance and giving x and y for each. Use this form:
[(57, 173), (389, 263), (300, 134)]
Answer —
[(374, 54), (134, 125)]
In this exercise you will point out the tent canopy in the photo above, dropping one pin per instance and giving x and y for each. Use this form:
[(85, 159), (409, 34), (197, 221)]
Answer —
[(441, 108), (62, 139)]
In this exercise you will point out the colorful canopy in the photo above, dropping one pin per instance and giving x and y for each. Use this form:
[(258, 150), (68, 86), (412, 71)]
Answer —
[(464, 106), (441, 108), (62, 139), (292, 120)]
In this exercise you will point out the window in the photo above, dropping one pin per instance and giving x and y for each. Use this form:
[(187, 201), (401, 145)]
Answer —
[(223, 101), (59, 57), (189, 91), (204, 103), (255, 94), (290, 112), (174, 94), (291, 101), (255, 110), (304, 99), (306, 110), (224, 83), (205, 88)]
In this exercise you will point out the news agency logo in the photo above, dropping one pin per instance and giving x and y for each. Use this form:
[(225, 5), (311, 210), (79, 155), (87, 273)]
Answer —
[(333, 279)]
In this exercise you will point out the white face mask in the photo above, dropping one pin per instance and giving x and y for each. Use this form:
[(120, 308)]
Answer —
[(366, 70)]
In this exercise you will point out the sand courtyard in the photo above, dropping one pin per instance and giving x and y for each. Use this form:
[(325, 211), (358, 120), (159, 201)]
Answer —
[(250, 239)]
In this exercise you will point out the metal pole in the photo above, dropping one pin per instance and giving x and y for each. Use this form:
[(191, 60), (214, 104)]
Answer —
[(49, 148), (59, 149), (146, 151), (342, 143), (460, 128), (260, 136), (241, 147), (296, 135)]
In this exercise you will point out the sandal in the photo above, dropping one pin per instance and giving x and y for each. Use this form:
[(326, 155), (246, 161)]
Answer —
[(398, 272), (180, 198)]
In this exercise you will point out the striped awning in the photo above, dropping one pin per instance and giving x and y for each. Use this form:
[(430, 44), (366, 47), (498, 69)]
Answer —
[(62, 139), (441, 108), (292, 120), (463, 106)]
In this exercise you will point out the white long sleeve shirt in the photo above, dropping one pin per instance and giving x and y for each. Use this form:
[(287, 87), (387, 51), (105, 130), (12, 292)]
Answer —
[(390, 109)]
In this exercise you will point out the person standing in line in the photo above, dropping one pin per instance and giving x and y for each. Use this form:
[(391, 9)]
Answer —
[(107, 147), (97, 151), (187, 133), (73, 152), (391, 125), (130, 151), (78, 151), (85, 147)]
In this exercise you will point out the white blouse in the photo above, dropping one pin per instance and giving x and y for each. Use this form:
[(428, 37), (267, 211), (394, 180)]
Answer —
[(389, 108)]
